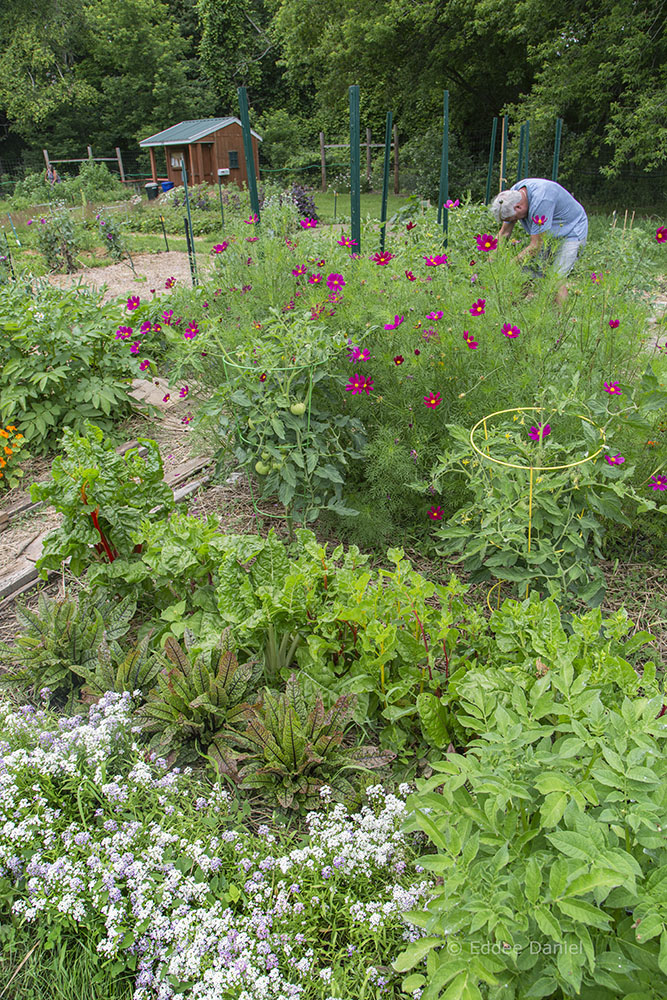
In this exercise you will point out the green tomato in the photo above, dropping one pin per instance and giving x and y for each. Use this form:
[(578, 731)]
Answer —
[(261, 468), (298, 409), (266, 455)]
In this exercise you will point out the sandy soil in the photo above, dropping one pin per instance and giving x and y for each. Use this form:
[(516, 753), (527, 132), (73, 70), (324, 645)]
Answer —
[(152, 270)]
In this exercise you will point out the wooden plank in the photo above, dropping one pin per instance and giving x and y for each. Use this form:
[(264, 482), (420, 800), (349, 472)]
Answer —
[(188, 468)]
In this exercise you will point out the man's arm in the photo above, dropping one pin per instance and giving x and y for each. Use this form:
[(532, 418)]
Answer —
[(532, 248), (505, 230)]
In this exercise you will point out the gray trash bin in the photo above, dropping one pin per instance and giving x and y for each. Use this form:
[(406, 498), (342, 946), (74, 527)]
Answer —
[(151, 190)]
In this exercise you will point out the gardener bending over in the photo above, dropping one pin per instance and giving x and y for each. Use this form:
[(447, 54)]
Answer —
[(544, 206)]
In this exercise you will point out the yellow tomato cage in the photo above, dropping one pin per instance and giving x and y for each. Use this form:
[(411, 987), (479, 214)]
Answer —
[(531, 469)]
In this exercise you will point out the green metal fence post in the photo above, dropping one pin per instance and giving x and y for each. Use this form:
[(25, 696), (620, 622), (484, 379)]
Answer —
[(385, 179), (503, 157), (519, 164), (191, 250), (355, 169), (443, 195), (554, 169), (247, 149), (492, 153), (526, 145)]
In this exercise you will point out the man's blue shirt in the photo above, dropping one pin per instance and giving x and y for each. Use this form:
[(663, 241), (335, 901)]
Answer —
[(563, 216)]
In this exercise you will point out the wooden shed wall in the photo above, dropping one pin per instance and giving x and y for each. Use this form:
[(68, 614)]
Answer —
[(204, 157)]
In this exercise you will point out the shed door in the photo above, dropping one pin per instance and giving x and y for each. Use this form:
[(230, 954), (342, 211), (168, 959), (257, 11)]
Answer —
[(207, 158)]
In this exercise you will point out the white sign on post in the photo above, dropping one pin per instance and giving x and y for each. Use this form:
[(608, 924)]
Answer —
[(223, 171)]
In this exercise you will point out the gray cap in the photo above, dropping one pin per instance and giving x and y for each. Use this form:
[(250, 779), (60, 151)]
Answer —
[(504, 205)]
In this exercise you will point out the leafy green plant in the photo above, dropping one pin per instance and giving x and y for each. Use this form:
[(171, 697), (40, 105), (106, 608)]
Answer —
[(115, 670), (295, 749), (112, 236), (199, 697), (58, 364), (549, 844), (59, 643), (57, 239), (101, 495)]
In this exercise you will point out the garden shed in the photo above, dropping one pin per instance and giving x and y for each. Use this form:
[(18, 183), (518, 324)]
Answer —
[(206, 145)]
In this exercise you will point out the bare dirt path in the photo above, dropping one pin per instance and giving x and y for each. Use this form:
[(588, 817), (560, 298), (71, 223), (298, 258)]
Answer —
[(152, 270)]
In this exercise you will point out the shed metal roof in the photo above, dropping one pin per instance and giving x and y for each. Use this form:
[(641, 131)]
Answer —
[(190, 131)]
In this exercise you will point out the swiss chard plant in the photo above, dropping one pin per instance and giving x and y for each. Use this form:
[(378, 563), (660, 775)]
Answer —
[(102, 496), (548, 840)]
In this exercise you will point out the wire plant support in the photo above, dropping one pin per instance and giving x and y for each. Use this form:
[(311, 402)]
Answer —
[(530, 469)]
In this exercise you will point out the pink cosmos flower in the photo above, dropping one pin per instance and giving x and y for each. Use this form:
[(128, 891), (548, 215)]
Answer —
[(383, 258), (659, 482), (220, 247), (435, 316), (191, 331), (613, 323), (314, 279), (472, 344), (432, 400), (486, 243), (410, 276), (477, 309), (251, 239), (436, 260), (133, 302), (308, 223), (661, 234), (253, 218), (346, 241), (510, 331), (170, 282), (436, 514), (359, 384), (596, 278), (452, 204), (614, 459), (145, 327), (395, 325), (612, 388), (166, 316), (298, 271), (136, 347), (540, 431), (187, 419), (335, 282), (165, 399), (123, 332), (357, 354), (144, 365), (539, 220), (183, 391)]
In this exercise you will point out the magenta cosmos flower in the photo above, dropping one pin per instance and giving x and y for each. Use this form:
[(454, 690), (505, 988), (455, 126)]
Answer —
[(661, 234), (410, 276), (144, 365), (435, 316), (395, 325), (183, 391), (298, 271), (510, 331), (435, 513), (167, 315), (335, 282), (314, 279), (432, 400), (486, 243), (191, 331), (133, 302), (136, 347), (477, 309), (472, 344), (358, 384), (123, 332), (410, 225), (170, 282), (659, 482), (220, 247), (357, 354), (614, 459), (383, 258), (452, 204), (308, 223), (399, 359), (539, 432), (613, 323), (249, 221), (596, 278), (346, 241), (539, 220), (612, 388), (436, 260)]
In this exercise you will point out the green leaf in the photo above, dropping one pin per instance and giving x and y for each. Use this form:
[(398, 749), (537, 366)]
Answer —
[(414, 953)]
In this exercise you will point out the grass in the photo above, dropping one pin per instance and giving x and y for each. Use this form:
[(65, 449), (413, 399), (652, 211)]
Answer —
[(65, 972), (332, 208)]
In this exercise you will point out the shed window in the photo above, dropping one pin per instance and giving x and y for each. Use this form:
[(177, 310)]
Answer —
[(176, 160), (233, 159)]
